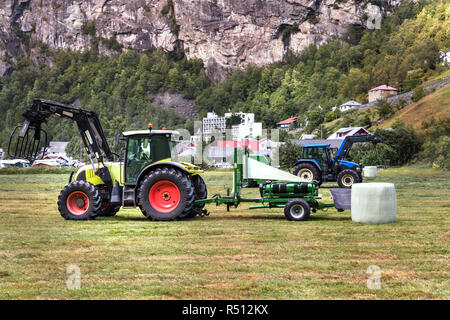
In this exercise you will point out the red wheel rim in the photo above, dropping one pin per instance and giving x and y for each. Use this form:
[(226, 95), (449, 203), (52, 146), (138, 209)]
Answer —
[(77, 203), (164, 196)]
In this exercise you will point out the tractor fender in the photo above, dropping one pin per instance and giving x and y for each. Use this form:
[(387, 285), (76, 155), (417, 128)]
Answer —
[(343, 164), (309, 161), (160, 164)]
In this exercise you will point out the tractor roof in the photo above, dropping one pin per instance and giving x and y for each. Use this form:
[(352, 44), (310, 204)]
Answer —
[(314, 145), (146, 132)]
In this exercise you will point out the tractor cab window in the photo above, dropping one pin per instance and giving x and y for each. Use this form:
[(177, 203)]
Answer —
[(160, 147), (138, 156), (320, 154)]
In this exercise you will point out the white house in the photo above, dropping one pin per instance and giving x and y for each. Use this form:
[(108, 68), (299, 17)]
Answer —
[(351, 104), (445, 57), (351, 131)]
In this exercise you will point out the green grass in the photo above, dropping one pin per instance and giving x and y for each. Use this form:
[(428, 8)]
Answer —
[(37, 170), (242, 254), (442, 75)]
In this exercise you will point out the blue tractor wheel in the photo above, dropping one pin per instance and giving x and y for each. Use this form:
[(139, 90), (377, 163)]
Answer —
[(347, 177), (308, 172)]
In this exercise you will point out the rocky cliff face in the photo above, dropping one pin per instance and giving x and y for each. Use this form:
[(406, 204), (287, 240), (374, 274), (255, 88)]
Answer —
[(225, 34)]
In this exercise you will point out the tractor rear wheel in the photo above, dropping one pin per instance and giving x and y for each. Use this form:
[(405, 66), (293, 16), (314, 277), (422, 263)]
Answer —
[(79, 200), (297, 210), (166, 194), (347, 177), (307, 172)]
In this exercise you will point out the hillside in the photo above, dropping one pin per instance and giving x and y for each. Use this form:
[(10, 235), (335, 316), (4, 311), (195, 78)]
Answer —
[(435, 105)]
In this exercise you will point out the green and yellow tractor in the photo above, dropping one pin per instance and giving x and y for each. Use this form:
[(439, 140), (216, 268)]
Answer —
[(148, 175)]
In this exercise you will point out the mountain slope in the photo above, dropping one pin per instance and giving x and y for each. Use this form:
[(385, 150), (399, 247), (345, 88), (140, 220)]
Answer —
[(435, 105)]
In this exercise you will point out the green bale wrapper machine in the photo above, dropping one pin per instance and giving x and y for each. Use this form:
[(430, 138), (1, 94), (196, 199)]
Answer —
[(282, 190)]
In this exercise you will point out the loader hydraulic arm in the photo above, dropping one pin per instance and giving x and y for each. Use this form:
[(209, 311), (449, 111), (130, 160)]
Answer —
[(349, 141), (88, 123), (89, 126)]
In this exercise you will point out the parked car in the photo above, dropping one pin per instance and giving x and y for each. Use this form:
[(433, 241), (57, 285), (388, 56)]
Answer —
[(225, 165), (16, 163)]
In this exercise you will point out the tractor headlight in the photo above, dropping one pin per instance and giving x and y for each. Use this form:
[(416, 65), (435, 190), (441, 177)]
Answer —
[(358, 168)]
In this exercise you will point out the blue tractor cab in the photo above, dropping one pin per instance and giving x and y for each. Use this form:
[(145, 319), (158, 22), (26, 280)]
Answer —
[(319, 164)]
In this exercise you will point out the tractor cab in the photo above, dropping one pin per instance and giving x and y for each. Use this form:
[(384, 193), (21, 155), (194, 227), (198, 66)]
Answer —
[(321, 154), (144, 148)]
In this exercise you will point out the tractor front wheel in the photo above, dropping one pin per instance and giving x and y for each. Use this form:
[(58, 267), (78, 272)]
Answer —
[(347, 177), (307, 172), (166, 194), (79, 200), (297, 210)]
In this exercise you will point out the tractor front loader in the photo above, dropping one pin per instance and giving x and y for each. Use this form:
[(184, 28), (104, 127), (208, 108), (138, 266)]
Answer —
[(149, 176)]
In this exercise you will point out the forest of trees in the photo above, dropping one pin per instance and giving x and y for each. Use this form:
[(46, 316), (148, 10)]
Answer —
[(120, 88)]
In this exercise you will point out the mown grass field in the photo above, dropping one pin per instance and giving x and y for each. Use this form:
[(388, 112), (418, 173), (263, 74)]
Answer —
[(237, 255)]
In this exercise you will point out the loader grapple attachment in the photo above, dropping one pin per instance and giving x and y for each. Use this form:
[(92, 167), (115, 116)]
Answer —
[(27, 142)]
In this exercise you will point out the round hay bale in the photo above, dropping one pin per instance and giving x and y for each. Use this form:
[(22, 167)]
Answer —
[(370, 171), (374, 203)]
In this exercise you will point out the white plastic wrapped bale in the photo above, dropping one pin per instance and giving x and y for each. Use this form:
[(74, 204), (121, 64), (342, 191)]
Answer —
[(370, 171), (374, 203)]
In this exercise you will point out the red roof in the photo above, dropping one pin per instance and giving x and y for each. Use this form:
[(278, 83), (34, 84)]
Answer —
[(290, 120), (383, 87), (252, 145)]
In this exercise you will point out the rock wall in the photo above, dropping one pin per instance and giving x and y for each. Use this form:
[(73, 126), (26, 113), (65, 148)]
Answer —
[(225, 34)]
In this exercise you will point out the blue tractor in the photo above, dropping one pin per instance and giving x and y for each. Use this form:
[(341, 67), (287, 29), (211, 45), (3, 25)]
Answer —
[(319, 164)]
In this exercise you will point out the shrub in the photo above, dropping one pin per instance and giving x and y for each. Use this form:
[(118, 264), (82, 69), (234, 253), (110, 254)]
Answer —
[(418, 94), (382, 154), (289, 154), (403, 140), (89, 28), (438, 153), (384, 109)]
